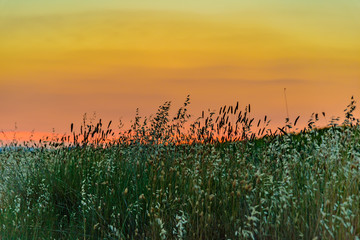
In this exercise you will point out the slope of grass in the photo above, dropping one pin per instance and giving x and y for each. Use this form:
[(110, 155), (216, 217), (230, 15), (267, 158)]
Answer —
[(290, 186)]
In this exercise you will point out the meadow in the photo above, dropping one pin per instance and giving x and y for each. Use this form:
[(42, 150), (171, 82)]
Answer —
[(223, 175)]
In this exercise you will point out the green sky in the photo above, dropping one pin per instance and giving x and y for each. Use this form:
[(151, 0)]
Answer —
[(49, 7)]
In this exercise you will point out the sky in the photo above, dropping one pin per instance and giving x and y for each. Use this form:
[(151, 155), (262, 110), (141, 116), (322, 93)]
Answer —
[(61, 59)]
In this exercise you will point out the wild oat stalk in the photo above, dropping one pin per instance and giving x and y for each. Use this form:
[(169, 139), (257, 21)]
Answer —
[(163, 179)]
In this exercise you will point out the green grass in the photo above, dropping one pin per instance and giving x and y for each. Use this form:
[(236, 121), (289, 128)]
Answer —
[(283, 186)]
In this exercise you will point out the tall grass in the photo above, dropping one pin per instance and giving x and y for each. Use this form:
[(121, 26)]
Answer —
[(215, 179)]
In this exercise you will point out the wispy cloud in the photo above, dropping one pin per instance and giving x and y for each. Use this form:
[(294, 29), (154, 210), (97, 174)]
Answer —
[(237, 82)]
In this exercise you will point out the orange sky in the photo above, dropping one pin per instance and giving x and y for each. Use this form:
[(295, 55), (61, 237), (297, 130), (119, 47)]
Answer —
[(58, 61)]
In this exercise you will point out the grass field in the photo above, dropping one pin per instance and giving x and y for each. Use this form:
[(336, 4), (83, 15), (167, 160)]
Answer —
[(215, 179)]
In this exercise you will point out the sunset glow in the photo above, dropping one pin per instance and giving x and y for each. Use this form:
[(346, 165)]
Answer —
[(61, 60)]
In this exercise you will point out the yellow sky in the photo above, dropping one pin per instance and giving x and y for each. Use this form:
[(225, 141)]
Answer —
[(61, 59)]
